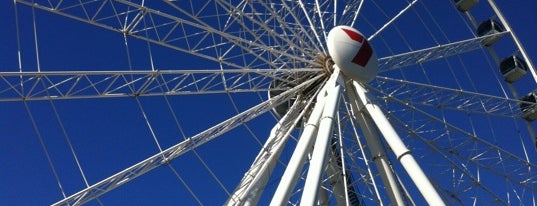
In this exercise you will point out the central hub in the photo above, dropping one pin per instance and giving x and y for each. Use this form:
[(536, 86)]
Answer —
[(352, 53)]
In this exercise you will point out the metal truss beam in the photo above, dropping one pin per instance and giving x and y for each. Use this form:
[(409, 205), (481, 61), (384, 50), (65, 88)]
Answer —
[(177, 150), (402, 153), (377, 150), (320, 153), (469, 147), (250, 188), (446, 98), (303, 147), (180, 32), (433, 53), (22, 86)]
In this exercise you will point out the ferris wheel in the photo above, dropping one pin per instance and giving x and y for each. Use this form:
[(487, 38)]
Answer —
[(128, 102)]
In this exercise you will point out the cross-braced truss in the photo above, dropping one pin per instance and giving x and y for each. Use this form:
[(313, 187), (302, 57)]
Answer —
[(340, 142)]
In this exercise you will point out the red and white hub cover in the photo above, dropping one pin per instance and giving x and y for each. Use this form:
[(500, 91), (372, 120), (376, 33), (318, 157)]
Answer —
[(352, 53)]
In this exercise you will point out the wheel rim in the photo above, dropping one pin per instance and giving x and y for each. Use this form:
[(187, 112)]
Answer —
[(452, 119)]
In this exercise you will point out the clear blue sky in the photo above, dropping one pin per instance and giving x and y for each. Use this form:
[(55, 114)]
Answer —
[(110, 135)]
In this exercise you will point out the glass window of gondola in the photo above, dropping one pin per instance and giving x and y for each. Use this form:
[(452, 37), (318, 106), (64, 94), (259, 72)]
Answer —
[(511, 63), (528, 98), (488, 26)]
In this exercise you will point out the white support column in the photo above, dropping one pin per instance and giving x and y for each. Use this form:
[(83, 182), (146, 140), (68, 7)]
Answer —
[(319, 156), (254, 181), (402, 153), (378, 154), (303, 147)]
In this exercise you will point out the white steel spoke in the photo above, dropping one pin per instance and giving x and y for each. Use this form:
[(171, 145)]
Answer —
[(441, 102), (266, 31), (291, 30), (402, 153), (447, 98), (433, 53), (294, 11), (321, 19), (294, 167), (515, 39), (335, 14), (376, 149), (169, 31), (45, 149), (335, 86), (105, 84), (252, 184), (243, 18), (312, 25), (466, 180), (350, 12), (336, 168), (456, 144), (361, 148), (392, 20), (177, 150)]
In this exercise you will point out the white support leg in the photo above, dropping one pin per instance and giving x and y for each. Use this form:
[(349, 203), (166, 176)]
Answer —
[(254, 181), (378, 154), (303, 147), (401, 151), (322, 143)]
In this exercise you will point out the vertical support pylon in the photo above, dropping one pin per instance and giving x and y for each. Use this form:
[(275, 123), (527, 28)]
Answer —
[(334, 87), (307, 139), (378, 154), (303, 147), (402, 153), (254, 181)]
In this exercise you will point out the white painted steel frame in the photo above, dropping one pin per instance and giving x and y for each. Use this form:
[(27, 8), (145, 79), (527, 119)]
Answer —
[(251, 187), (522, 51), (411, 58), (447, 98), (515, 39), (473, 179), (433, 53), (159, 23), (102, 83), (472, 148), (160, 27), (311, 193), (402, 153), (334, 88), (19, 86), (177, 150), (378, 154), (299, 156)]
